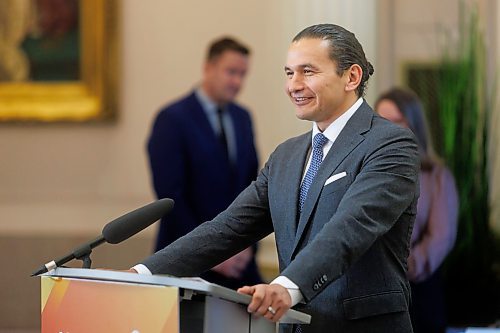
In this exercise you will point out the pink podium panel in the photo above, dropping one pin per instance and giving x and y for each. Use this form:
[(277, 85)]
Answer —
[(77, 305)]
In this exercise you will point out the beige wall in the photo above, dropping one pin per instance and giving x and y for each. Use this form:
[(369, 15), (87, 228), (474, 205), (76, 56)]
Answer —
[(61, 183), (74, 178), (59, 178)]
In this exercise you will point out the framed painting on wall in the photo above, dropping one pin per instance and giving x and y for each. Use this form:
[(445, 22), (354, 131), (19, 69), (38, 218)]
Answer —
[(59, 60)]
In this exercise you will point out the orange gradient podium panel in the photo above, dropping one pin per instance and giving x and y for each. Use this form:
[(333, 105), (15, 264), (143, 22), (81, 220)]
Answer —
[(82, 306)]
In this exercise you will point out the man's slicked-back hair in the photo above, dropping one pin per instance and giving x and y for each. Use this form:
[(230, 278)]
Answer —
[(345, 49), (224, 44)]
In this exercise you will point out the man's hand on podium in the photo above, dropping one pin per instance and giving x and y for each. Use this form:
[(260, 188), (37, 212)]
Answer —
[(268, 300)]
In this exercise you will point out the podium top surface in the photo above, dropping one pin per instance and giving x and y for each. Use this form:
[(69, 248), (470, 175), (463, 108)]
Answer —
[(197, 285)]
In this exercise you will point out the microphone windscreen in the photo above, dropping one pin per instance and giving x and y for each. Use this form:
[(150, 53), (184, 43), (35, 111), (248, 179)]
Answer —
[(131, 223)]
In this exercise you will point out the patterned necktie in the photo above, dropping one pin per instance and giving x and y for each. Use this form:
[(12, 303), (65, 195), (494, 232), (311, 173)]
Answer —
[(317, 157)]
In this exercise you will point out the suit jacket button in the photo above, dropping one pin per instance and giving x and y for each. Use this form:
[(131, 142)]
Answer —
[(325, 278), (315, 287)]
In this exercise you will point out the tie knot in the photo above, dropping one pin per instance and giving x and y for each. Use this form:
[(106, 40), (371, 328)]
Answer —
[(319, 141)]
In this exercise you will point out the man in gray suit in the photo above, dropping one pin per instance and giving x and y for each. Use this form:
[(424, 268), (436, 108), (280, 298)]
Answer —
[(341, 200)]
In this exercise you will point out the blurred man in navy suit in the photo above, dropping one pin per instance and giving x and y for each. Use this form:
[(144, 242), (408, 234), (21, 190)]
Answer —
[(202, 155)]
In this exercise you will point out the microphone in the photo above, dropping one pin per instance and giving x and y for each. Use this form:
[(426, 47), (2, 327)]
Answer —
[(115, 232), (131, 223)]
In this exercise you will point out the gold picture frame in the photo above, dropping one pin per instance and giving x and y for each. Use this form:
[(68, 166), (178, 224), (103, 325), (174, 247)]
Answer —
[(91, 98)]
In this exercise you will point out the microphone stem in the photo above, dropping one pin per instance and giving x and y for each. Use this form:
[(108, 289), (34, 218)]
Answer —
[(80, 253), (96, 242)]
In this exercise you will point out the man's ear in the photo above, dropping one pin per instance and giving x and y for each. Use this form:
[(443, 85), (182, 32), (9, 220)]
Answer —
[(354, 75)]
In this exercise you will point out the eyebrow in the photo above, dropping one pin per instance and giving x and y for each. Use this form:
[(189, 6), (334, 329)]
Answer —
[(303, 66)]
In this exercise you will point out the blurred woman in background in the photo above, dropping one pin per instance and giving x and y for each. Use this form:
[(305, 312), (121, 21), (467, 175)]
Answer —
[(435, 226)]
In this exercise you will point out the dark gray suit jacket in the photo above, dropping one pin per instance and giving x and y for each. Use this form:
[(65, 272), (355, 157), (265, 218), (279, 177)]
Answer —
[(347, 250)]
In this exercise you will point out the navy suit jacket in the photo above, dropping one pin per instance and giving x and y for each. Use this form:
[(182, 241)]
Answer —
[(189, 165)]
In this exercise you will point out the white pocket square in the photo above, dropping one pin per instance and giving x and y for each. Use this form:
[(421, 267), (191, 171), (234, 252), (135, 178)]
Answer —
[(335, 177)]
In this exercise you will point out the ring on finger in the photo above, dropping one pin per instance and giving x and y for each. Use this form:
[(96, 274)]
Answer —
[(270, 309)]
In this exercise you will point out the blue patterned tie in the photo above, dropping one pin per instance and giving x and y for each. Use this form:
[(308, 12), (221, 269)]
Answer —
[(317, 157)]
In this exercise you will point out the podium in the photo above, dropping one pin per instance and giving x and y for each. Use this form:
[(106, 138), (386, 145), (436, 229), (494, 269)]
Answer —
[(87, 300)]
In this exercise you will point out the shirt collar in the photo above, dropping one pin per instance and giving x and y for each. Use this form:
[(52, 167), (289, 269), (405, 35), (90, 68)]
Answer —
[(334, 129), (206, 103)]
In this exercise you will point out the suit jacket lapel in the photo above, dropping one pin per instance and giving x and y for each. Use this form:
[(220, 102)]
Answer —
[(349, 138), (291, 184), (200, 118)]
